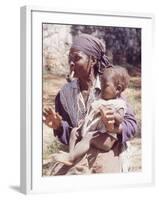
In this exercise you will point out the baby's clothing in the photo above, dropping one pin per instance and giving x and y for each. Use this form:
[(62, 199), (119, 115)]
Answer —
[(93, 121)]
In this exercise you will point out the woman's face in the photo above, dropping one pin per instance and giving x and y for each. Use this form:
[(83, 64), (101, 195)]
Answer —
[(80, 63)]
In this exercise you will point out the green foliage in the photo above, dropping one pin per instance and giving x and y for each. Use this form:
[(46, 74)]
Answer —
[(55, 147)]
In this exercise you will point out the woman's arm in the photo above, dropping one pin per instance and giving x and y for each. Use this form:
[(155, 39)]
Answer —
[(128, 126)]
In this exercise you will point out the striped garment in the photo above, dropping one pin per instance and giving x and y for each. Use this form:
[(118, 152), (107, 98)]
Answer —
[(73, 102)]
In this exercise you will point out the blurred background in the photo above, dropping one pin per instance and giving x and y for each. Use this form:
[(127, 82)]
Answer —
[(123, 45), (123, 48)]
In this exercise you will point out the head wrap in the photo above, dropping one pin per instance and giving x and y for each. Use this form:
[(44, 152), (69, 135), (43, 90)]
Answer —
[(92, 46)]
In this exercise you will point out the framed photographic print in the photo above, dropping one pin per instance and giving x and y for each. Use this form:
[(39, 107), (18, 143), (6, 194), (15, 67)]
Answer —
[(86, 100)]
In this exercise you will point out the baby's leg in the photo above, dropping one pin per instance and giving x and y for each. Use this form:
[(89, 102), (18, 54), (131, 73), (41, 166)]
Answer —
[(103, 141)]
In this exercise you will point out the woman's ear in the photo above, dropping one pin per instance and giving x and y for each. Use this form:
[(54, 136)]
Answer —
[(93, 60)]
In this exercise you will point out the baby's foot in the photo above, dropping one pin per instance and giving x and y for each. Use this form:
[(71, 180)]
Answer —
[(63, 157)]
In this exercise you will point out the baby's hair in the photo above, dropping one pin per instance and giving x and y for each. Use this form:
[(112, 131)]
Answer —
[(118, 75)]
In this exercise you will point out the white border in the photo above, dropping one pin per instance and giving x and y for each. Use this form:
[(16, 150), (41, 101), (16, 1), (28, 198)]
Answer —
[(31, 100)]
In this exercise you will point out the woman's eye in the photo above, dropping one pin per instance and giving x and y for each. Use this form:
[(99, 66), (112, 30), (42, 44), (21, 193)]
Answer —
[(74, 58)]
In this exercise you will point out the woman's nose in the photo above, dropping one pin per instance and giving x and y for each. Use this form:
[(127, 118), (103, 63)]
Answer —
[(72, 65)]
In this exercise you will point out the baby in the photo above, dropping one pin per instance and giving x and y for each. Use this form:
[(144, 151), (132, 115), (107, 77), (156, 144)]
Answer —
[(114, 81)]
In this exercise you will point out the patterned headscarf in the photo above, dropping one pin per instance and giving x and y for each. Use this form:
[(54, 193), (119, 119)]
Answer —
[(92, 46)]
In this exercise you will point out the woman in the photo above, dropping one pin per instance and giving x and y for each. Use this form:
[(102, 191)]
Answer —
[(87, 60)]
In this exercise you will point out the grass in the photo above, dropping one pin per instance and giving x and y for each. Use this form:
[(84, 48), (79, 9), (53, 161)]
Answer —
[(133, 95)]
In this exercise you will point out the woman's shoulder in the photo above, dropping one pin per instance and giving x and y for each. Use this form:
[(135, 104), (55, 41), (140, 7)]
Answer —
[(69, 86)]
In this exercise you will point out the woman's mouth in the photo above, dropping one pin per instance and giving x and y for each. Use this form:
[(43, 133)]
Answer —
[(70, 76)]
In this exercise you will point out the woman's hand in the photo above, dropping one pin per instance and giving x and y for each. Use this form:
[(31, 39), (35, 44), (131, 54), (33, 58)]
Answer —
[(51, 118), (109, 120)]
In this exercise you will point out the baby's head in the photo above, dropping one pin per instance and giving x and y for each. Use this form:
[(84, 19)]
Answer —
[(114, 80)]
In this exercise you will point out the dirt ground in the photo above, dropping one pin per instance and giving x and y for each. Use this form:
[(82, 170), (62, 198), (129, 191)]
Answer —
[(51, 86)]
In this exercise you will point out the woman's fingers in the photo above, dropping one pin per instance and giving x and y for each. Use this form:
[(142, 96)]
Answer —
[(111, 121), (107, 110), (108, 117), (52, 112), (58, 116), (49, 112), (45, 117), (44, 114), (46, 110), (107, 113)]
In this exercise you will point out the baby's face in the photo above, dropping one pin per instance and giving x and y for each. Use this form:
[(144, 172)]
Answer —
[(108, 90)]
